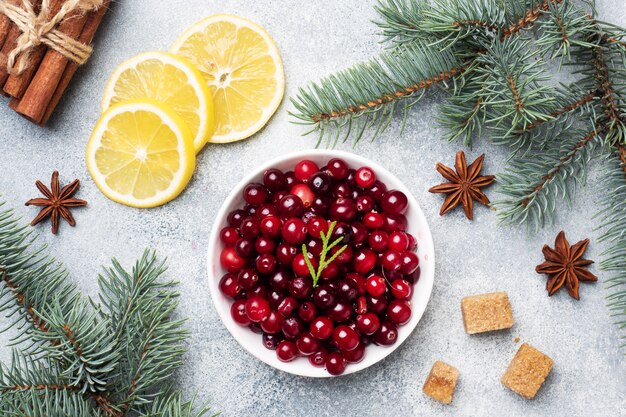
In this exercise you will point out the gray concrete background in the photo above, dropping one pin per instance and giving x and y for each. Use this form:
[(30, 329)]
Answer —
[(315, 38)]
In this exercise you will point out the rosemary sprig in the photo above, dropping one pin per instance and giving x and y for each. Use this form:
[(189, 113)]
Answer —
[(326, 247)]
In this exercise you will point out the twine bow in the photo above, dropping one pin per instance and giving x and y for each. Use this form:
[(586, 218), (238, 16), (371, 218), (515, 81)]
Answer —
[(41, 29)]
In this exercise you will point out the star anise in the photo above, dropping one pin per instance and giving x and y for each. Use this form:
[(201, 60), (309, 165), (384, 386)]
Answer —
[(464, 186), (57, 202), (565, 265)]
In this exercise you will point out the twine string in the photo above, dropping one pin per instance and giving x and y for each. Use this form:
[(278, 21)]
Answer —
[(41, 29)]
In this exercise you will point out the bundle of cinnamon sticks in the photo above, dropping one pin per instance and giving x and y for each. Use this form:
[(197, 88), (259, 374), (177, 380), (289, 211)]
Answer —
[(36, 91)]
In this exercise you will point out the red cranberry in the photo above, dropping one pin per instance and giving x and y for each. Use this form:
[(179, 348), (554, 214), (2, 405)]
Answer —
[(392, 261), (238, 313), (340, 312), (304, 193), (264, 245), (261, 290), (359, 234), (342, 209), (345, 338), (229, 236), (347, 290), (365, 177), (265, 210), (320, 183), (274, 179), (376, 285), (364, 203), (414, 277), (367, 323), (318, 359), (355, 355), (292, 327), (412, 243), (307, 311), (277, 196), (345, 256), (271, 341), (290, 179), (361, 305), (323, 297), (288, 306), (386, 335), (364, 260), (236, 217), (410, 262), (300, 288), (377, 191), (342, 190), (250, 228), (330, 271), (229, 286), (344, 231), (373, 220), (291, 205), (230, 261), (401, 289), (300, 267), (395, 222), (279, 280), (247, 278), (316, 226), (266, 263), (320, 206), (305, 169), (255, 194), (322, 327), (275, 298), (257, 308), (394, 202), (377, 305), (399, 312), (294, 231), (398, 241), (335, 363), (245, 248), (285, 253), (378, 241), (270, 226), (314, 247), (337, 168), (307, 344), (286, 351)]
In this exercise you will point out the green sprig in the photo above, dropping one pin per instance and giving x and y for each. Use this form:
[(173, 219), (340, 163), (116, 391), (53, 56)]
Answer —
[(326, 247)]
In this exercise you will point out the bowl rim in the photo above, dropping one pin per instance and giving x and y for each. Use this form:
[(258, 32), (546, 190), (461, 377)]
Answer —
[(292, 367)]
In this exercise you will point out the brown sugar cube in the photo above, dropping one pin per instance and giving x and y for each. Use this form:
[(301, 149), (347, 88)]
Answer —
[(527, 371), (441, 382), (487, 312)]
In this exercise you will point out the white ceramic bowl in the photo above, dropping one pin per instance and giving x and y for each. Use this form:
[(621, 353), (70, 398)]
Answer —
[(417, 226)]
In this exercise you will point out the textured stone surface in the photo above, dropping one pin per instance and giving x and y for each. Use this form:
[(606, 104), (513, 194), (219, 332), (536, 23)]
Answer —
[(316, 37)]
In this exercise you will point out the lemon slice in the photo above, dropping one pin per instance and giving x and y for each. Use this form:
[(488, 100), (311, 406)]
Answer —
[(170, 79), (242, 66), (141, 154)]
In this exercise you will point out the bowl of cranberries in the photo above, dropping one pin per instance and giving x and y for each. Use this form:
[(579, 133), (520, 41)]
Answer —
[(320, 263)]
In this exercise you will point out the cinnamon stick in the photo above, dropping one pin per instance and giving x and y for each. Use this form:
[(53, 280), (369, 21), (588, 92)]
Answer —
[(16, 85), (9, 44), (6, 24), (45, 107)]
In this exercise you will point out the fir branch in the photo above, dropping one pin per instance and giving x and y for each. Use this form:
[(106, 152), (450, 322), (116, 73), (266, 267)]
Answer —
[(327, 246)]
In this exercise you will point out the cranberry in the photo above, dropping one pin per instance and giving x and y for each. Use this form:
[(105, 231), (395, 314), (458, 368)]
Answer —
[(247, 278), (359, 280), (274, 179), (236, 217), (229, 286), (392, 261), (355, 355), (275, 298), (265, 210), (316, 226), (270, 226), (414, 277), (323, 297), (304, 193), (320, 183), (345, 256), (271, 341), (378, 241), (290, 179), (376, 286), (292, 327), (250, 228), (365, 177), (257, 308), (320, 206), (412, 243), (401, 289), (255, 328), (395, 222), (373, 220), (344, 231), (314, 247), (266, 263), (345, 338), (229, 236), (363, 261), (377, 191), (255, 194), (286, 351), (347, 290), (294, 231), (359, 234), (399, 311), (410, 262), (377, 305), (350, 179), (322, 327), (340, 312), (343, 209), (307, 311), (277, 196), (238, 313), (230, 261), (342, 190), (386, 335), (318, 359), (288, 306), (291, 205), (335, 363), (394, 202), (398, 241), (367, 323), (337, 168), (300, 267), (245, 248), (300, 288), (279, 280), (307, 344), (285, 253), (264, 245), (305, 169), (364, 203)]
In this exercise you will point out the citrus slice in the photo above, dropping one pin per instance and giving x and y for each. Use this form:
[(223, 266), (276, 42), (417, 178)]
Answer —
[(141, 154), (170, 79), (242, 66)]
